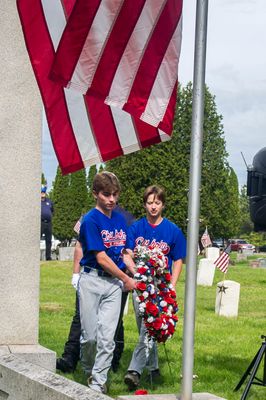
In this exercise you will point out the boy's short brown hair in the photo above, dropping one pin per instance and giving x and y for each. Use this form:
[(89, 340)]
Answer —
[(157, 191), (105, 181)]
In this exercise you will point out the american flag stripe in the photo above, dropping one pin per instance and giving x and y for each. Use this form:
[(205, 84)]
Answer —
[(35, 29), (75, 37), (84, 130), (205, 239), (153, 61), (145, 87), (133, 53), (77, 226), (222, 261), (112, 53)]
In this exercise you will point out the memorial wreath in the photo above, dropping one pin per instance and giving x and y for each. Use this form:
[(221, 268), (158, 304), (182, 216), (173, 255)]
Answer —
[(156, 296)]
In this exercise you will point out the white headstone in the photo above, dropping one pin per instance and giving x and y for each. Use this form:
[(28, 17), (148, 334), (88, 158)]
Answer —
[(206, 272), (212, 253), (66, 253), (248, 252), (227, 298), (241, 257)]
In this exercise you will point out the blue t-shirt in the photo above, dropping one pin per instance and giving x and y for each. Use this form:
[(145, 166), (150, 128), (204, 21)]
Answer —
[(101, 233), (167, 236)]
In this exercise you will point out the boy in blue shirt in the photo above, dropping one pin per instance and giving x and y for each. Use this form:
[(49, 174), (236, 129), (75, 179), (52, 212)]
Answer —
[(103, 235), (152, 231)]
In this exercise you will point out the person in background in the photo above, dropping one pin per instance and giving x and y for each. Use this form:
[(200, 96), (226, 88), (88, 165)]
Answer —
[(70, 357), (152, 231), (47, 210)]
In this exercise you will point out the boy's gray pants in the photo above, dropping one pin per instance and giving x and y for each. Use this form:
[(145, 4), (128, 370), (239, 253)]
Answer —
[(139, 358), (100, 303)]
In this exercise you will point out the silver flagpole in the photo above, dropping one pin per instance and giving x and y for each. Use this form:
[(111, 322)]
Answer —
[(194, 196)]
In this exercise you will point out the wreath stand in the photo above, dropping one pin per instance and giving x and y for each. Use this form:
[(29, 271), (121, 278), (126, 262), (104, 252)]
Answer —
[(252, 369)]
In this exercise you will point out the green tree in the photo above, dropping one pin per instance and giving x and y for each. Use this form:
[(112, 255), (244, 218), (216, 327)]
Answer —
[(167, 164), (70, 198), (78, 195), (246, 225), (61, 198), (43, 179), (91, 175)]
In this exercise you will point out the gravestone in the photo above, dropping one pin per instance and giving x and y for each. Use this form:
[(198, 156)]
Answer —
[(66, 253), (212, 253), (227, 298), (262, 262), (241, 257), (20, 179), (248, 252), (206, 272)]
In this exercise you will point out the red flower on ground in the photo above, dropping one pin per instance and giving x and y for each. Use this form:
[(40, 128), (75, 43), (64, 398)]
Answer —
[(141, 392)]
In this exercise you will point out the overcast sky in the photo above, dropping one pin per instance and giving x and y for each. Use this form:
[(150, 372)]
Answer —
[(235, 74)]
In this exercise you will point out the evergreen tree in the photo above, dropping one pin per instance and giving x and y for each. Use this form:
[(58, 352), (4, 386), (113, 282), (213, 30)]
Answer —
[(43, 179), (167, 164), (78, 196), (101, 168), (91, 175), (246, 225), (62, 203), (70, 198)]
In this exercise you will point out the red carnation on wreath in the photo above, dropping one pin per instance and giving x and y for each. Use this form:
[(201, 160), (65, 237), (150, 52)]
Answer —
[(156, 295)]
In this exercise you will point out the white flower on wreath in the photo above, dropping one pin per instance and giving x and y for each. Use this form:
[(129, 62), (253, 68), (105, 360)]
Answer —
[(144, 278), (145, 294), (142, 307), (171, 321), (161, 263), (150, 319), (151, 289), (163, 303), (164, 326), (138, 299), (170, 286), (137, 275), (150, 278)]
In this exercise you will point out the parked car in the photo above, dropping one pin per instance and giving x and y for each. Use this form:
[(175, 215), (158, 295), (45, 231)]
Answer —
[(218, 243), (55, 243), (261, 249), (240, 245)]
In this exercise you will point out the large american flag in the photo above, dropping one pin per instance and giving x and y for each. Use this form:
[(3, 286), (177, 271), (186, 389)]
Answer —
[(222, 261), (123, 55), (205, 239)]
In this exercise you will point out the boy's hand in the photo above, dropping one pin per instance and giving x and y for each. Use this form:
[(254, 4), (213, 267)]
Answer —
[(129, 284)]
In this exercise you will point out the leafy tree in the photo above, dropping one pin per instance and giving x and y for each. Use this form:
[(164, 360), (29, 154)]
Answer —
[(167, 164)]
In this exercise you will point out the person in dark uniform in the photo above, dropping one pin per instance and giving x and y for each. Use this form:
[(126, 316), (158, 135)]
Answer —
[(70, 357), (46, 221)]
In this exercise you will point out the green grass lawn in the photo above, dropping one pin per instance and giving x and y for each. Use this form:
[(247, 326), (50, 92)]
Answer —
[(224, 347)]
